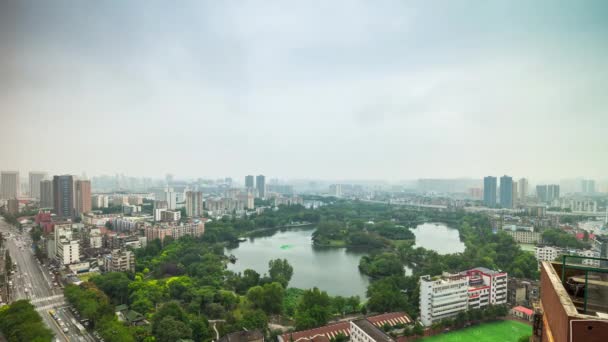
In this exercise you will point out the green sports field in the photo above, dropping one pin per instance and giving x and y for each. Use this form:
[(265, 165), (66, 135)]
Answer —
[(504, 331)]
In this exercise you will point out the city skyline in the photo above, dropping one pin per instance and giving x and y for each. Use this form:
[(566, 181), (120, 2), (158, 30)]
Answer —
[(346, 90)]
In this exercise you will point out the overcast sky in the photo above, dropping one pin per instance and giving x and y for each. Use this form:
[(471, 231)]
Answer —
[(305, 89)]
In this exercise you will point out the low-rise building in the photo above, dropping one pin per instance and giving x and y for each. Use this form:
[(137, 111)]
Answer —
[(522, 313), (120, 261), (195, 228), (362, 330), (523, 236)]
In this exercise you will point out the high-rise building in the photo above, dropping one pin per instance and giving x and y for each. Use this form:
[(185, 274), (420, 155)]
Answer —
[(260, 182), (171, 198), (335, 190), (552, 192), (515, 196), (547, 193), (541, 193), (63, 196), (489, 191), (249, 182), (506, 192), (523, 186), (46, 194), (9, 184), (194, 203), (35, 179), (83, 197), (588, 186)]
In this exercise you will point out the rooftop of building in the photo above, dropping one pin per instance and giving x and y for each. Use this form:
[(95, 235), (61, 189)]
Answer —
[(374, 332), (524, 310), (582, 289), (391, 318), (327, 331), (487, 270)]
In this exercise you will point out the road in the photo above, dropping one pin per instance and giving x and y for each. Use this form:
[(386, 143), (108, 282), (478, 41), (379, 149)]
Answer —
[(35, 282)]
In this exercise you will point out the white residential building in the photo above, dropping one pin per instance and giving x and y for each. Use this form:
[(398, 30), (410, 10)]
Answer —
[(547, 253), (442, 297), (445, 296), (68, 251), (528, 237)]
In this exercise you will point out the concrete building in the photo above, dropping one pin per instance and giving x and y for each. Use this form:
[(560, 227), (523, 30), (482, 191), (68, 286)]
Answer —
[(523, 236), (100, 201), (82, 197), (172, 198), (547, 253), (445, 296), (120, 261), (170, 215), (260, 184), (575, 309), (588, 186), (12, 206), (547, 193), (522, 313), (34, 183), (247, 199), (63, 196), (46, 194), (335, 190), (580, 205), (523, 189), (362, 330), (9, 184), (489, 191), (476, 193), (522, 292), (442, 297), (68, 251), (249, 184), (195, 228), (506, 192), (194, 203)]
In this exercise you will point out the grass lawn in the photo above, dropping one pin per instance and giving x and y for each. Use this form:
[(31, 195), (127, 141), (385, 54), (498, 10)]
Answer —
[(504, 331)]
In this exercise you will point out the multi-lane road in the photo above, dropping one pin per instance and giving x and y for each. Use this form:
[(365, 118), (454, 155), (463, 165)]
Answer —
[(38, 284)]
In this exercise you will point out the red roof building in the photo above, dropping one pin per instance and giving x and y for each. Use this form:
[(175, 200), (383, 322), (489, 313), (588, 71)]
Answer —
[(321, 334), (391, 318)]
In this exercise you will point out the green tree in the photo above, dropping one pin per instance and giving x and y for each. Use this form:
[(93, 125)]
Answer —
[(313, 310), (280, 271), (115, 285), (268, 297), (385, 295), (112, 330), (254, 319), (19, 321), (170, 329)]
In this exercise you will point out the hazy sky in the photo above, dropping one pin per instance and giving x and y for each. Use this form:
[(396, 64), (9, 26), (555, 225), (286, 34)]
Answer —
[(308, 89)]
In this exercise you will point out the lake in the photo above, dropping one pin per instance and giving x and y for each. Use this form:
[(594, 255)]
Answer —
[(438, 237), (335, 270)]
